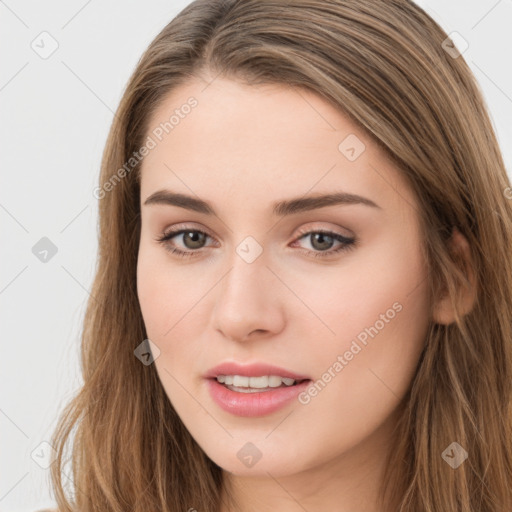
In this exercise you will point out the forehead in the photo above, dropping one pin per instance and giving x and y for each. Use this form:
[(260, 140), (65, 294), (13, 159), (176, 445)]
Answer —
[(261, 144)]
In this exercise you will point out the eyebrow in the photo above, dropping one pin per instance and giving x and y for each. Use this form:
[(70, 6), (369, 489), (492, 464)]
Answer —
[(279, 208)]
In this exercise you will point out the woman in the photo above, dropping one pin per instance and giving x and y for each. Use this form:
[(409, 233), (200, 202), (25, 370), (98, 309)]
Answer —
[(232, 360)]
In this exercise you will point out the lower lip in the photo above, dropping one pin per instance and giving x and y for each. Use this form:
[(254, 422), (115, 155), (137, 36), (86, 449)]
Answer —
[(253, 404)]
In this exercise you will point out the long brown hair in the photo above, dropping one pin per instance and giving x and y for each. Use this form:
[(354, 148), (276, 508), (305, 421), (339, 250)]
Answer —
[(392, 70)]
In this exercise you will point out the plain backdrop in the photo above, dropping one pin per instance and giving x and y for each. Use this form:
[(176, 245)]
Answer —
[(64, 68)]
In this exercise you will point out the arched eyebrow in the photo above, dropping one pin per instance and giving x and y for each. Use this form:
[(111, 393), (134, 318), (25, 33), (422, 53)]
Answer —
[(279, 208)]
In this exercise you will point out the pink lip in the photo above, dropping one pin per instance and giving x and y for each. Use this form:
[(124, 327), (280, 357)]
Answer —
[(252, 370), (253, 404)]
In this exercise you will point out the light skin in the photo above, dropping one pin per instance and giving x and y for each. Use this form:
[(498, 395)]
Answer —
[(242, 149)]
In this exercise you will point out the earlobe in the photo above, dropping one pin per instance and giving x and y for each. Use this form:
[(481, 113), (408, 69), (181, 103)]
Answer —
[(444, 311)]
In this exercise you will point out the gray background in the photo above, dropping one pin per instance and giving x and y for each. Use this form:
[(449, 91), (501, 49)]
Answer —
[(55, 116)]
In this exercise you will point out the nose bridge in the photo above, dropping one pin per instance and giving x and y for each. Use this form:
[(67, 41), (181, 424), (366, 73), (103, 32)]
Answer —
[(246, 300), (246, 277)]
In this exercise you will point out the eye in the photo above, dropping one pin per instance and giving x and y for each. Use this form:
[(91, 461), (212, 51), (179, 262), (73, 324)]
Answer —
[(321, 241), (193, 239)]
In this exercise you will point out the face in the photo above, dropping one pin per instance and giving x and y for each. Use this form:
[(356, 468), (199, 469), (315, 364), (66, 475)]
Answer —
[(333, 291)]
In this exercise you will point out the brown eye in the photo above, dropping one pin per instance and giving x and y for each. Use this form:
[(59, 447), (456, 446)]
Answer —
[(193, 239), (321, 241)]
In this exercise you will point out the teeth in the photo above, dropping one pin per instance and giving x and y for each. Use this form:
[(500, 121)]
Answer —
[(272, 381)]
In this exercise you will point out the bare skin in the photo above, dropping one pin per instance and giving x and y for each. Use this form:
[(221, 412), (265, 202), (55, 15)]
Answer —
[(242, 148)]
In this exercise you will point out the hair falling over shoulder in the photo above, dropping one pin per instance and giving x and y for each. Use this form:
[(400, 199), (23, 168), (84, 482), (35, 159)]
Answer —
[(383, 64)]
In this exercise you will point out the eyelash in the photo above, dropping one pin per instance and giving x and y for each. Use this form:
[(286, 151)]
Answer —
[(347, 243)]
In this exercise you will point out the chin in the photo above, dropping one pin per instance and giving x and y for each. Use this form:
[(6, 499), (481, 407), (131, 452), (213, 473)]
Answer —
[(248, 460)]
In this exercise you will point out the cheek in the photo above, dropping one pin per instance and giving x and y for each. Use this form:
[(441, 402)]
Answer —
[(173, 302), (165, 293), (381, 288), (378, 312), (169, 306), (154, 294), (387, 313)]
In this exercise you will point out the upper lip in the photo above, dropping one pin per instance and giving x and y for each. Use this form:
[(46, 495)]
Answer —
[(252, 370)]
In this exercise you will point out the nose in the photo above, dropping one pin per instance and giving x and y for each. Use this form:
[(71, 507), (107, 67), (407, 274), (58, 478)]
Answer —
[(248, 301)]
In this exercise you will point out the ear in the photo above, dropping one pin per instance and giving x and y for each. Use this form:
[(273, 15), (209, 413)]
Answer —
[(444, 312)]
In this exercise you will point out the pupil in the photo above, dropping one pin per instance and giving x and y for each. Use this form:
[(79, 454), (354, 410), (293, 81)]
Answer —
[(194, 234), (322, 236)]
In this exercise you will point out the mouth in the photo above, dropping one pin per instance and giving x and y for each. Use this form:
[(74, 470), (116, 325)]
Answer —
[(260, 384), (254, 398), (254, 389)]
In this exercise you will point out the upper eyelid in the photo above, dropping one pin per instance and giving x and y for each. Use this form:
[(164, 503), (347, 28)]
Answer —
[(178, 229)]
